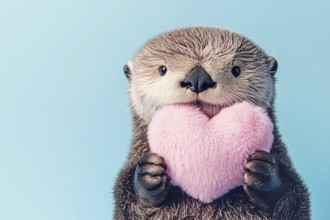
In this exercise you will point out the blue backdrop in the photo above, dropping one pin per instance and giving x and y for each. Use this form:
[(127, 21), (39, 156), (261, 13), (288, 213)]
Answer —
[(65, 124)]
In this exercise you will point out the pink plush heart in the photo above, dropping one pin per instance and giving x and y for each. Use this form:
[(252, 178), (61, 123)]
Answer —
[(206, 157)]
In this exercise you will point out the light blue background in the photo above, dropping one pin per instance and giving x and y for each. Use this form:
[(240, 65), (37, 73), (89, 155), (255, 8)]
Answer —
[(65, 124)]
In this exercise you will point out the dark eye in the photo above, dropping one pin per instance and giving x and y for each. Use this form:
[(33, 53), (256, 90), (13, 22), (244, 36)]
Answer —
[(236, 71), (162, 70)]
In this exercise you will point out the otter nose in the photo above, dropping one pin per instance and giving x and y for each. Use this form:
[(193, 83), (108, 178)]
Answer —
[(198, 80)]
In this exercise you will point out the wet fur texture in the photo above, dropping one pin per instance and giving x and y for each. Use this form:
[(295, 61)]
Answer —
[(216, 50)]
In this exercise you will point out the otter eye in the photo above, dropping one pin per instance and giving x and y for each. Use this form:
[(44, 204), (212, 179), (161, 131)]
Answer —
[(162, 70), (236, 71)]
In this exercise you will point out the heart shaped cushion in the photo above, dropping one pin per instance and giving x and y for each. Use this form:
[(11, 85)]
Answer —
[(206, 157)]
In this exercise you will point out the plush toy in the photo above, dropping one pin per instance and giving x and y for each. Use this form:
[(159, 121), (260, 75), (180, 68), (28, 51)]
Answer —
[(206, 157)]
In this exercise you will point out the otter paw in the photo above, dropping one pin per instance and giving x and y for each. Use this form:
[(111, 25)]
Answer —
[(262, 181), (261, 172), (151, 180)]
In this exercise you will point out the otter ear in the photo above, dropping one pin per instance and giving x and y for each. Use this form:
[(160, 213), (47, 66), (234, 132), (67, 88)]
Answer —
[(128, 70), (273, 65)]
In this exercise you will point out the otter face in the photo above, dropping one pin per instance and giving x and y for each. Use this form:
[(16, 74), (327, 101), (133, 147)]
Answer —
[(208, 67)]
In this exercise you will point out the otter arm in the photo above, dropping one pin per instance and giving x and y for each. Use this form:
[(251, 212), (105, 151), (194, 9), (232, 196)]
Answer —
[(294, 203)]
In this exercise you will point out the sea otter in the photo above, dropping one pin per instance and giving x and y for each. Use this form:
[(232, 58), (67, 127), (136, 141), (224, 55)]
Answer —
[(210, 68)]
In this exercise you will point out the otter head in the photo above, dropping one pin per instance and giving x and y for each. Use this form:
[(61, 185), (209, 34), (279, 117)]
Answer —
[(211, 68)]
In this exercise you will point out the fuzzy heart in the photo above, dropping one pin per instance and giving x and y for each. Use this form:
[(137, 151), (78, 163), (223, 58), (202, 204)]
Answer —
[(205, 157)]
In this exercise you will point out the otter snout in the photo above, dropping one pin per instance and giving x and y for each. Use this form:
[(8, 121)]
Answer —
[(198, 80)]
